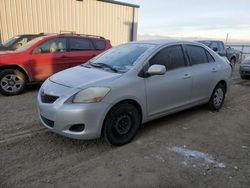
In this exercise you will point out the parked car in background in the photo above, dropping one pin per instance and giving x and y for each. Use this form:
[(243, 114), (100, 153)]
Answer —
[(218, 46), (44, 56), (115, 92), (18, 41), (245, 68)]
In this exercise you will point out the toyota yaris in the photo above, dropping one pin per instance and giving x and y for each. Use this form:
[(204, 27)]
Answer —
[(114, 93)]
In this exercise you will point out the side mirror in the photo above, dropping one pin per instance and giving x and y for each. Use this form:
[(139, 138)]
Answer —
[(215, 49), (156, 70)]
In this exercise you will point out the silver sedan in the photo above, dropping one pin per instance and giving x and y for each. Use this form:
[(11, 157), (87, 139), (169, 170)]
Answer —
[(117, 91)]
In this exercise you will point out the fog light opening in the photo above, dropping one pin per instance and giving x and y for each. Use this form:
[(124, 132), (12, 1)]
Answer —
[(77, 128)]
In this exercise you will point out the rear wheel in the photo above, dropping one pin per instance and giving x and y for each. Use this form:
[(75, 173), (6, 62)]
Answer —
[(121, 124), (12, 82), (217, 98)]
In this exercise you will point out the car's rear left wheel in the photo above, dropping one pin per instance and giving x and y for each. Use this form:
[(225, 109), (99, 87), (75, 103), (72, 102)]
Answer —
[(12, 82), (121, 124), (217, 98)]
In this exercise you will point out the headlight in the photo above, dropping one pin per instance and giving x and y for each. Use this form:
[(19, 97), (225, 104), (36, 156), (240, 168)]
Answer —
[(91, 95)]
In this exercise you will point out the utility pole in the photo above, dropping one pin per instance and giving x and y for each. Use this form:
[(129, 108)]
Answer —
[(226, 39)]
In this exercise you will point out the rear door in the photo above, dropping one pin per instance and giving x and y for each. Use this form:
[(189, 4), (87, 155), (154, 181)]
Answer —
[(173, 89), (204, 72), (48, 58), (81, 50)]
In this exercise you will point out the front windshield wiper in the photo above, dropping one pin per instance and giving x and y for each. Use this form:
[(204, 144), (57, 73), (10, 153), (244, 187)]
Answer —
[(103, 65)]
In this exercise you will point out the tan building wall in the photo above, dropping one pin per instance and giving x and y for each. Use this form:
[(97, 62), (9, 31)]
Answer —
[(112, 21)]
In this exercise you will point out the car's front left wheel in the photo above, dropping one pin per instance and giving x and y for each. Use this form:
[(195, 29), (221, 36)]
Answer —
[(12, 82), (121, 124)]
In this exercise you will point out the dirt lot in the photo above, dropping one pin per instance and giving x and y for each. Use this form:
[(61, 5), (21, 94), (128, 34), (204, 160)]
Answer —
[(194, 148)]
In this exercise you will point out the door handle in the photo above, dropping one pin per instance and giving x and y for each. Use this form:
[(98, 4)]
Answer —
[(186, 76), (214, 70)]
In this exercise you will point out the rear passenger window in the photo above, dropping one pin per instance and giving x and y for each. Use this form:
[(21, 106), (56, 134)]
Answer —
[(79, 44), (197, 54), (171, 57), (209, 57), (99, 44)]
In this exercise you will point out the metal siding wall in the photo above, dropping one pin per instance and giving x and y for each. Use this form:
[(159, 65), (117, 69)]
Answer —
[(89, 16)]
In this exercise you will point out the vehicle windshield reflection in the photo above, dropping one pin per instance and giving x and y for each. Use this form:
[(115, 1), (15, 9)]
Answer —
[(121, 58)]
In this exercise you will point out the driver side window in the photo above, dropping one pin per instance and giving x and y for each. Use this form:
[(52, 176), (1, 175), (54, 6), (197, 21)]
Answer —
[(51, 46), (171, 57)]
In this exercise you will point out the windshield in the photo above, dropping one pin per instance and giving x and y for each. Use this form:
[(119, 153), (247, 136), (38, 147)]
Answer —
[(29, 44), (121, 58), (10, 41), (207, 43)]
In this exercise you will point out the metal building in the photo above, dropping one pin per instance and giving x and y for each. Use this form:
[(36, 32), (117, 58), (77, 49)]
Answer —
[(114, 20)]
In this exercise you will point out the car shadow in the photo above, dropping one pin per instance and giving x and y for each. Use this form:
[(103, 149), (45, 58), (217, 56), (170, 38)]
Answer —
[(33, 87), (169, 120)]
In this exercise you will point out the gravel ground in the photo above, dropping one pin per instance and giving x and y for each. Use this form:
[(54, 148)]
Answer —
[(193, 148)]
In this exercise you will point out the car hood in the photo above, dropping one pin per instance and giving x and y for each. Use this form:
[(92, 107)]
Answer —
[(82, 77)]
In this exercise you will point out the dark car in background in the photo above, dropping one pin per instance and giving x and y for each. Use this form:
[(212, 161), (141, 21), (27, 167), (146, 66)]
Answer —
[(45, 55), (18, 41), (218, 46), (245, 68)]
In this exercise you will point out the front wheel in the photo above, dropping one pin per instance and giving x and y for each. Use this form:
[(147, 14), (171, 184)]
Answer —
[(12, 82), (217, 98), (121, 124)]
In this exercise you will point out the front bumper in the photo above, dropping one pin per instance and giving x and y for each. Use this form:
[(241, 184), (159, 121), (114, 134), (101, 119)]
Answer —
[(60, 116)]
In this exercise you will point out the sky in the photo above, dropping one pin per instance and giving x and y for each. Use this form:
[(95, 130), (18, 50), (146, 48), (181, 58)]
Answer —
[(194, 18)]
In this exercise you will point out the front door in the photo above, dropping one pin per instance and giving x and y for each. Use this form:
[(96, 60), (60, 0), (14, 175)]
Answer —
[(173, 89), (48, 58)]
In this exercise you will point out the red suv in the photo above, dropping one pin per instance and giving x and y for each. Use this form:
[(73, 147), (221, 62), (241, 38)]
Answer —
[(44, 56)]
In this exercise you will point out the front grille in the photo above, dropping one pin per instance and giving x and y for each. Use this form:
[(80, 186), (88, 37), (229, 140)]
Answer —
[(48, 98), (48, 122)]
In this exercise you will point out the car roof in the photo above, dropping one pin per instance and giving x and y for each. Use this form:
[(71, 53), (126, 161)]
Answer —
[(166, 41), (73, 35), (209, 41)]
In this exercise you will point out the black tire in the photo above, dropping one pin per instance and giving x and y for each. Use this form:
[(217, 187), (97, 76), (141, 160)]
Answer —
[(243, 76), (12, 82), (121, 124), (217, 98)]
